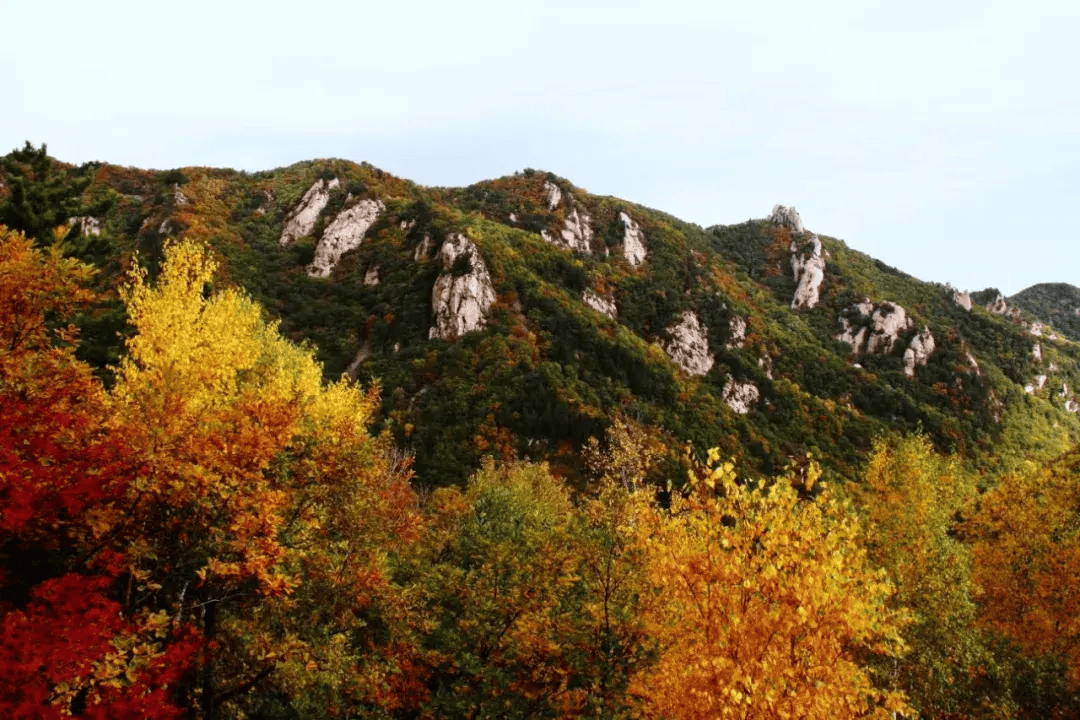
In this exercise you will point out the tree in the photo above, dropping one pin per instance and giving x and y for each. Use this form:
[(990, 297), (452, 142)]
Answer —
[(912, 498), (1026, 537), (771, 609), (43, 196), (265, 508), (65, 644)]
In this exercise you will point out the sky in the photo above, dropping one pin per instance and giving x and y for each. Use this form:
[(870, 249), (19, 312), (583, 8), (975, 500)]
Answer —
[(940, 137)]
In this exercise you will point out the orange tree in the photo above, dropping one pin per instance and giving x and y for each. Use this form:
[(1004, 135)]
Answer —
[(1026, 544), (265, 510), (771, 606), (65, 644)]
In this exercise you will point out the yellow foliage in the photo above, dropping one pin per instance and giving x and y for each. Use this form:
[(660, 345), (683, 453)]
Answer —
[(770, 606)]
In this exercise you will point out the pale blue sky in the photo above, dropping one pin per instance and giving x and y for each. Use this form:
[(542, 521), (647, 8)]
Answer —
[(940, 137)]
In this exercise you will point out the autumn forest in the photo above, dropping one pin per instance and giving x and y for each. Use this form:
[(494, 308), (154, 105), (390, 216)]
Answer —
[(205, 526)]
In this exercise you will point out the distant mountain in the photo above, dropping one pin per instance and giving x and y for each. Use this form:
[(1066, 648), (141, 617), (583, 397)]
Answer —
[(1056, 304), (518, 316)]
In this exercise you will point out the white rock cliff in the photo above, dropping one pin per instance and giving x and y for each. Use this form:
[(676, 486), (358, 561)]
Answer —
[(345, 233), (688, 346), (600, 304), (459, 303), (808, 264), (301, 219), (633, 241)]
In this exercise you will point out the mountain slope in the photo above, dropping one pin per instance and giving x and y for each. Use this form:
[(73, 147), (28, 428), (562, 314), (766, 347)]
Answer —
[(1056, 304), (519, 316)]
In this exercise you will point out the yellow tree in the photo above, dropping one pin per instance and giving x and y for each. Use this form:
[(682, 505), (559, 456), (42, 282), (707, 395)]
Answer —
[(259, 495), (911, 498), (772, 608)]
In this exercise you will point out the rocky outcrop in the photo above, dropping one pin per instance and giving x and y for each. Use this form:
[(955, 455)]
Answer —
[(266, 204), (889, 320), (554, 195), (372, 276), (963, 299), (1037, 384), (576, 234), (361, 355), (740, 396), (877, 329), (86, 225), (301, 219), (919, 351), (688, 345), (998, 305), (1036, 352), (808, 264), (633, 240), (600, 304), (179, 198), (460, 302), (786, 217), (345, 233), (423, 250), (736, 333)]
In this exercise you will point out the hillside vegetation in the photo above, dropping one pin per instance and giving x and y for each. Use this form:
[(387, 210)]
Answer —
[(321, 442)]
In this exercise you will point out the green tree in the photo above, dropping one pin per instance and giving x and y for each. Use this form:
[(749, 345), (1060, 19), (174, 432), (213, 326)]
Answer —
[(43, 195)]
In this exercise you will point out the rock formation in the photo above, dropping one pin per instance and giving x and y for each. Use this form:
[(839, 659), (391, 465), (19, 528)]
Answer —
[(344, 234), (179, 198), (633, 240), (688, 345), (736, 332), (459, 303), (600, 304), (554, 195), (1037, 384), (372, 276), (301, 219), (880, 330), (576, 234), (919, 351), (786, 217), (963, 299), (87, 225), (740, 397), (423, 250), (808, 264), (888, 321)]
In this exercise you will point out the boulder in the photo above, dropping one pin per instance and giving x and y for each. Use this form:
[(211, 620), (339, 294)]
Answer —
[(460, 302)]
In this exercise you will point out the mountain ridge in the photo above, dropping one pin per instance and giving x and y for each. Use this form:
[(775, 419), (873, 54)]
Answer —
[(595, 307)]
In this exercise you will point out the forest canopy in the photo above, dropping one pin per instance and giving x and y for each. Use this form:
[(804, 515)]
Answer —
[(220, 534)]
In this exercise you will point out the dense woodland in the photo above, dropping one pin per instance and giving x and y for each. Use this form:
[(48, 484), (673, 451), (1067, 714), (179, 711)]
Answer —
[(201, 520)]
